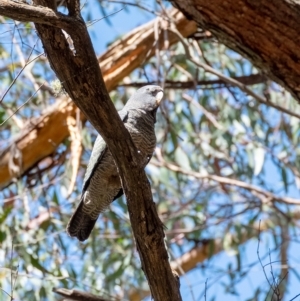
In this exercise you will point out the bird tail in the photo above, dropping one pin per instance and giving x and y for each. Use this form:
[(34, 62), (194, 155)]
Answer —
[(80, 224)]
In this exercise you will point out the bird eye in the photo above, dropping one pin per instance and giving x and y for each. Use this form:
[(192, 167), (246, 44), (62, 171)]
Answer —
[(153, 92)]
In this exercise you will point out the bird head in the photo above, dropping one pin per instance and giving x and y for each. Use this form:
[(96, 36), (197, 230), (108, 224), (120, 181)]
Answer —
[(146, 98)]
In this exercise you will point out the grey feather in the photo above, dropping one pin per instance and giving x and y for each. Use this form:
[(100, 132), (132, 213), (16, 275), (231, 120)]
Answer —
[(101, 184), (97, 153)]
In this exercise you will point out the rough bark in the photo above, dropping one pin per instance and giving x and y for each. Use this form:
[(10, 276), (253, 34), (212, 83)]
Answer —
[(42, 15), (122, 57), (267, 32), (88, 91)]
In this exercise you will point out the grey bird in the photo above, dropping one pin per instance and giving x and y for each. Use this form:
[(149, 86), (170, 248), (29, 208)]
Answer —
[(101, 184)]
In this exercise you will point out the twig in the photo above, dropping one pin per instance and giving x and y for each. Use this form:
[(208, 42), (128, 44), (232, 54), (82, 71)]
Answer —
[(205, 289), (75, 295), (88, 24), (275, 284), (182, 273), (11, 269), (228, 80), (137, 4), (208, 115), (1, 289), (18, 121), (22, 69), (295, 297), (21, 106), (25, 63), (258, 256), (16, 277), (268, 196)]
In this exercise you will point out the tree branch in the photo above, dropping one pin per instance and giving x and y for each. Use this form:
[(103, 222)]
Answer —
[(264, 195), (23, 12), (251, 79), (75, 295)]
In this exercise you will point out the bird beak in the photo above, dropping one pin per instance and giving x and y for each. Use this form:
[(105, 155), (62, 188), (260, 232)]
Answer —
[(159, 97)]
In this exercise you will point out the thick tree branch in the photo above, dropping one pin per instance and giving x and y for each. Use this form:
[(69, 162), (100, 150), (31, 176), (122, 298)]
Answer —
[(23, 12), (264, 31), (82, 79)]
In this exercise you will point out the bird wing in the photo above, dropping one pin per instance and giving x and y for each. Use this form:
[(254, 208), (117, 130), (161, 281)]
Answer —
[(98, 151)]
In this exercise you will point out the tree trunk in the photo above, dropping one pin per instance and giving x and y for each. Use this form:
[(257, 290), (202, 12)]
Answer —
[(266, 32)]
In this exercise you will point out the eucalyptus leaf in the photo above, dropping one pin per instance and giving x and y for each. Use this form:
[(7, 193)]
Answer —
[(259, 158), (182, 159)]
